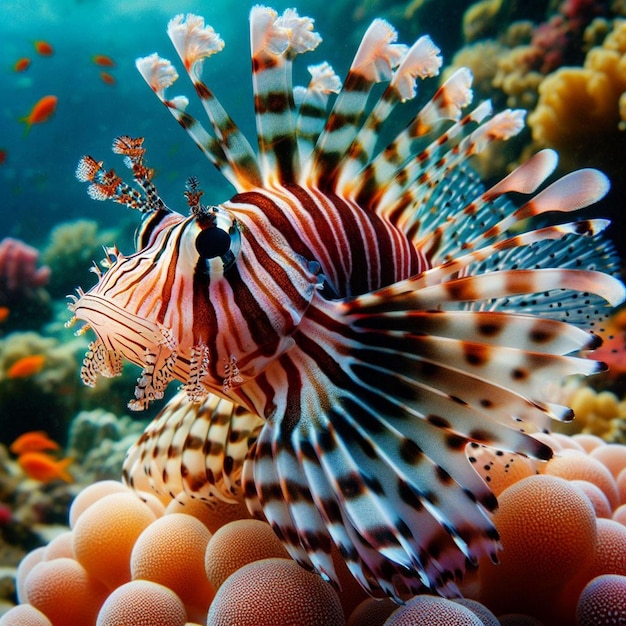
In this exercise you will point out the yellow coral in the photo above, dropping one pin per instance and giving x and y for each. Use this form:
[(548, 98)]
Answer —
[(597, 413), (578, 111), (482, 18)]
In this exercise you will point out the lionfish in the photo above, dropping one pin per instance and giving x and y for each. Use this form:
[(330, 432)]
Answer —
[(357, 317)]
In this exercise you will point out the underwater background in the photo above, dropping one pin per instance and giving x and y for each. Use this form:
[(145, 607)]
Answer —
[(562, 61)]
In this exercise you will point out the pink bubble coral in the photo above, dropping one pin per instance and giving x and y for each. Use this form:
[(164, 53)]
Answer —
[(92, 493), (142, 603), (24, 615), (602, 602), (599, 501), (588, 442), (105, 534), (170, 551), (610, 557), (612, 456), (23, 569), (275, 592), (60, 546), (434, 612)]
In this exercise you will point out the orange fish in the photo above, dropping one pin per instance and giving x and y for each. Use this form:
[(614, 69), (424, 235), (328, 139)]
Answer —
[(21, 65), (107, 78), (45, 468), (41, 112), (44, 48), (26, 366), (103, 60), (4, 310), (33, 441)]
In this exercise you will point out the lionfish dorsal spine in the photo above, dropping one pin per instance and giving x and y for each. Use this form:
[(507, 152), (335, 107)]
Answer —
[(227, 149), (275, 41), (374, 61), (379, 178), (312, 101), (422, 60)]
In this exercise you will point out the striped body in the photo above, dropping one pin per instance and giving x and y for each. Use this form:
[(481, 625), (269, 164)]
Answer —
[(356, 317)]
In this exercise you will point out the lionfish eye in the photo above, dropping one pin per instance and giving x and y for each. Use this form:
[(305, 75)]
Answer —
[(212, 242), (215, 241)]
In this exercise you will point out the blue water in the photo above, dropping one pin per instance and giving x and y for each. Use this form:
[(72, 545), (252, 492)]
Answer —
[(37, 184)]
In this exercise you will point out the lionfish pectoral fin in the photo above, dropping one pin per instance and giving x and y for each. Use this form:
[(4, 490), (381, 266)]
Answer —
[(370, 450), (196, 448), (100, 361), (353, 473)]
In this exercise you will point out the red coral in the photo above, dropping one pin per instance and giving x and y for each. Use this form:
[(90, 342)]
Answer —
[(560, 37), (18, 267)]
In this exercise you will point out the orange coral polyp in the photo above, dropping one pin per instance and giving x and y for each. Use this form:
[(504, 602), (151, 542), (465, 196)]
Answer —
[(24, 615), (64, 592), (579, 466), (91, 494), (548, 533), (105, 534), (434, 612), (602, 602), (171, 552)]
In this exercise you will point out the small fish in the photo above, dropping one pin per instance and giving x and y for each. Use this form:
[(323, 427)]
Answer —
[(355, 315), (43, 48), (33, 441), (103, 60), (41, 112), (21, 65), (45, 468), (26, 366), (107, 78), (4, 310)]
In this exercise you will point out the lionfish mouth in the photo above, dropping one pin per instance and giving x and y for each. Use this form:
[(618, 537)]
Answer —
[(121, 334)]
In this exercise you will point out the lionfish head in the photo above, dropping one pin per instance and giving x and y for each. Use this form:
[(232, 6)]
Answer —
[(179, 307)]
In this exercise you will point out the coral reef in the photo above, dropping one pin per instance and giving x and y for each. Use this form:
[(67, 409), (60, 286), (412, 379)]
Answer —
[(71, 251), (98, 441), (23, 298), (580, 109), (125, 548), (599, 413), (46, 397)]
